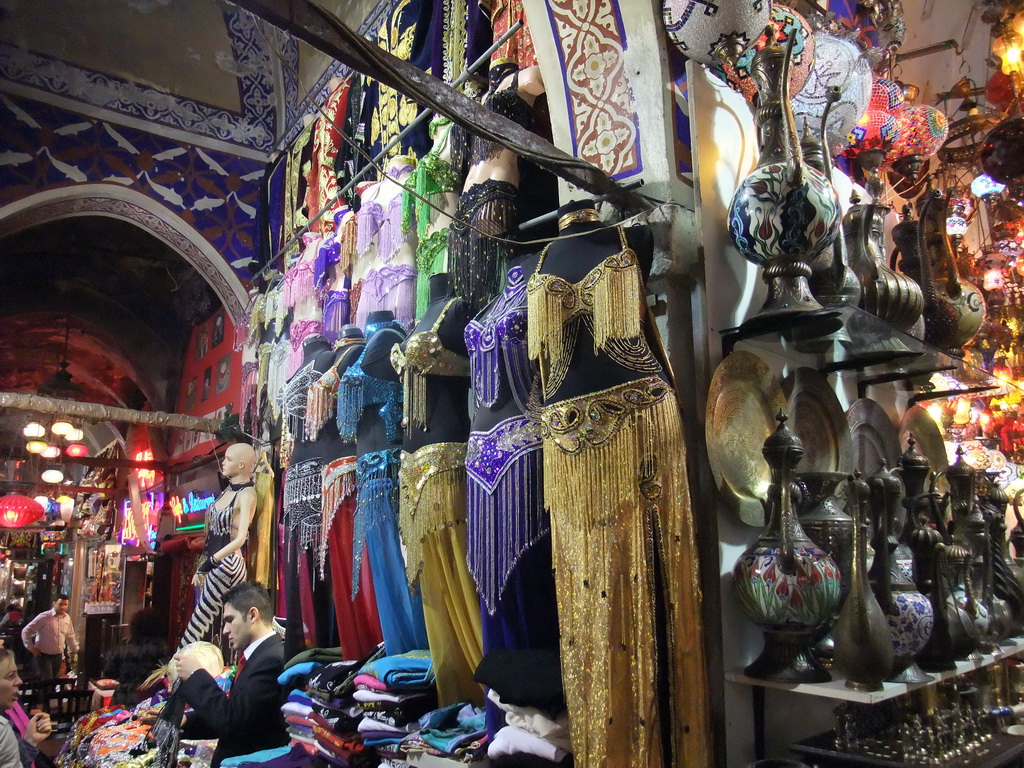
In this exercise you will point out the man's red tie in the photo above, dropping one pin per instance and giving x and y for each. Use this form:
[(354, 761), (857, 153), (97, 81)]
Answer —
[(241, 666)]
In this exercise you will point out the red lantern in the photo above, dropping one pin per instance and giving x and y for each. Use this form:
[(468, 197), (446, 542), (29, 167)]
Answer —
[(17, 510), (77, 450)]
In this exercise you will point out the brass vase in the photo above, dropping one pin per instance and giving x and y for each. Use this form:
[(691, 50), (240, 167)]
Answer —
[(864, 649)]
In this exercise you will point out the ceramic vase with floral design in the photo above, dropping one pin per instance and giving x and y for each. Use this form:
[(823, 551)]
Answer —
[(785, 213), (784, 582), (908, 613)]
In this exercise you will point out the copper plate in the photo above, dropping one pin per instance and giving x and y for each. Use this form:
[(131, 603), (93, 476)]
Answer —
[(742, 403), (875, 438), (919, 423), (817, 418)]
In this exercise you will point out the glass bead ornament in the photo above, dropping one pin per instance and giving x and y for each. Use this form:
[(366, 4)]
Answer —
[(784, 22), (1002, 151), (886, 95), (923, 129), (711, 31), (956, 225), (875, 129), (838, 63)]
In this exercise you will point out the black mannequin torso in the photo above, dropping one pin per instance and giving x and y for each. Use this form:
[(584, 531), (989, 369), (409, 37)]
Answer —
[(485, 418), (331, 442), (447, 396), (372, 432), (572, 260)]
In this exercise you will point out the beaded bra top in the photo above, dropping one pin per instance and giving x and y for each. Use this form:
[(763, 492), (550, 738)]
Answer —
[(425, 355), (609, 300), (496, 339), (358, 390)]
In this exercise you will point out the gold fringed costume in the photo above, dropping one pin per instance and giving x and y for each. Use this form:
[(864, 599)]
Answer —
[(260, 562), (621, 527), (433, 526), (615, 483)]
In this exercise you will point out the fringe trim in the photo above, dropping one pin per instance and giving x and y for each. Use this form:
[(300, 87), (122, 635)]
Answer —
[(303, 489), (430, 255), (370, 220), (277, 375), (348, 238), (339, 483), (321, 402), (391, 234), (505, 512), (247, 395), (391, 287), (376, 486), (476, 260), (336, 313), (615, 484), (299, 332), (433, 486)]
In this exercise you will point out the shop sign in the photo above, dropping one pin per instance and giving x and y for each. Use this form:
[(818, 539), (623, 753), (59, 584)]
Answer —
[(151, 508), (194, 503), (147, 477)]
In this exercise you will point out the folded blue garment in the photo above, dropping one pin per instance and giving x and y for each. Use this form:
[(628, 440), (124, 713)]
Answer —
[(414, 669), (299, 670), (255, 757)]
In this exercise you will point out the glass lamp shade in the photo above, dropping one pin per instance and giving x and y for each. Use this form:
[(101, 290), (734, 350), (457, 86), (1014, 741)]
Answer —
[(34, 429), (886, 95), (956, 226), (837, 63), (985, 185), (61, 427), (705, 31), (77, 450), (874, 129), (52, 475), (51, 452), (43, 501), (17, 510), (36, 446), (65, 499), (1002, 151), (993, 280), (923, 129), (784, 22), (75, 435)]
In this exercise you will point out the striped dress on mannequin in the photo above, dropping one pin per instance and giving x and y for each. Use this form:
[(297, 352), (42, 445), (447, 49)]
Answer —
[(229, 572)]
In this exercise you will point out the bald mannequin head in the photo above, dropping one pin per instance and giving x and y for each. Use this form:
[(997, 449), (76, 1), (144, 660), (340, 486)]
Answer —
[(239, 461)]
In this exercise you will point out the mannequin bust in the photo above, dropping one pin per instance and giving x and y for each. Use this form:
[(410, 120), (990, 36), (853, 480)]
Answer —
[(447, 397), (372, 432), (227, 529), (572, 260), (318, 354)]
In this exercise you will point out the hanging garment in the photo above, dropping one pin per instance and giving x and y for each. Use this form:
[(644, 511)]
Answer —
[(390, 287), (322, 178), (375, 530), (476, 258), (358, 390), (433, 524), (519, 48)]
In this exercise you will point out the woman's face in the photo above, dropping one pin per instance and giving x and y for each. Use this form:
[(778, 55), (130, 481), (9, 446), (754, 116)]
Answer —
[(10, 683)]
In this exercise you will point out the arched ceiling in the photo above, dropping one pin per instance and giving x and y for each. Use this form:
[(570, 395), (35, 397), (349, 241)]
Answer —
[(130, 302)]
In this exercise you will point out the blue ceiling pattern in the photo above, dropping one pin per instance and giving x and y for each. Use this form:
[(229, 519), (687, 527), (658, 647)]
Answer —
[(44, 147)]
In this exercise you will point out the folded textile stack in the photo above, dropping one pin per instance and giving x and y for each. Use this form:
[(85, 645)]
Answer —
[(333, 717), (452, 736), (394, 692), (527, 686)]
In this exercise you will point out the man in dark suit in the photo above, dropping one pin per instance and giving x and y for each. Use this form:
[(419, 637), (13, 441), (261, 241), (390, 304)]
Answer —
[(249, 718)]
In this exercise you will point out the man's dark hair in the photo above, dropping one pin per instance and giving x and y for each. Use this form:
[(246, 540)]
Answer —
[(61, 596), (250, 594)]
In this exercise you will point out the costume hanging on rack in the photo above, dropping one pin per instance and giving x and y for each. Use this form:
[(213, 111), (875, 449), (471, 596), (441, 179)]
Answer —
[(337, 311), (225, 574), (390, 287), (322, 179), (475, 257), (518, 49), (299, 285), (621, 523), (357, 390)]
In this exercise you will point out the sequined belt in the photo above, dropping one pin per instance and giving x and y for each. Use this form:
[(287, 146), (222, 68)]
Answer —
[(433, 484), (592, 420), (303, 490), (376, 484)]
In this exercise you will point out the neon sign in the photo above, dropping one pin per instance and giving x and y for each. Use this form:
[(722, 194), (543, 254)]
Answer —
[(146, 476), (190, 504), (129, 535)]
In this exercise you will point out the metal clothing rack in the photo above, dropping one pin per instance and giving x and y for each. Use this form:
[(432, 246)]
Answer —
[(424, 115)]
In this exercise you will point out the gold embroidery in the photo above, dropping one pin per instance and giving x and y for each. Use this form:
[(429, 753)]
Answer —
[(584, 216)]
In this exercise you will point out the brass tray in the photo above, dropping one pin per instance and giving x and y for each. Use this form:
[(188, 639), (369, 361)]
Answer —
[(816, 417), (742, 403), (919, 423), (875, 437)]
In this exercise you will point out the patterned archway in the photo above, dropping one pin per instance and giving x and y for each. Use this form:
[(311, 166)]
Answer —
[(129, 205)]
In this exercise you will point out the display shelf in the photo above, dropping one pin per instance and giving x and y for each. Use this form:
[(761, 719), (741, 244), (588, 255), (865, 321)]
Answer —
[(1003, 749), (836, 689), (850, 340)]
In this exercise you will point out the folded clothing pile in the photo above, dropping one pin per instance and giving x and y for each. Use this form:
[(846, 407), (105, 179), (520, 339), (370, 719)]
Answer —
[(527, 686), (394, 692), (457, 733)]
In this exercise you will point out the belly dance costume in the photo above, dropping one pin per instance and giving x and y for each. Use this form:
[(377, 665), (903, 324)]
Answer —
[(375, 520), (505, 511), (485, 209), (433, 523), (622, 530), (433, 178), (226, 574)]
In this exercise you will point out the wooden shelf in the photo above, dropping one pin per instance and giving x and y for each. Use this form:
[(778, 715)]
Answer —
[(836, 689)]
